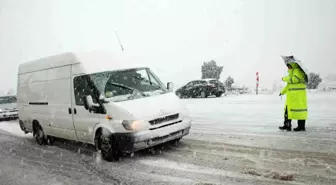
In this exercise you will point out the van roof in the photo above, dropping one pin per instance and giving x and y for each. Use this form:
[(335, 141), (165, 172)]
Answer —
[(96, 61)]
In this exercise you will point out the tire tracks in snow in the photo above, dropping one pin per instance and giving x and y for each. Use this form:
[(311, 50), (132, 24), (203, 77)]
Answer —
[(62, 163), (190, 162), (236, 157), (100, 173), (329, 157)]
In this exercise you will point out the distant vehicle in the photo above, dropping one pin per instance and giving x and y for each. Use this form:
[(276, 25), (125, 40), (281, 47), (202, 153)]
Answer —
[(8, 109), (100, 99), (202, 88)]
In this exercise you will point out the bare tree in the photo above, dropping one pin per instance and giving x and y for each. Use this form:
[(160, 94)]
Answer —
[(314, 81)]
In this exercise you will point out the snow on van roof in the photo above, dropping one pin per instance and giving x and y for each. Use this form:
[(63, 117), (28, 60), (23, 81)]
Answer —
[(47, 63), (94, 61)]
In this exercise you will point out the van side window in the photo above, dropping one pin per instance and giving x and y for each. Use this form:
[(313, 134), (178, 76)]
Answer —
[(82, 88)]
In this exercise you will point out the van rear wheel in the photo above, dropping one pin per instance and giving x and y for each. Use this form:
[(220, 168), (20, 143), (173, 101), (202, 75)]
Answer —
[(39, 134), (109, 149)]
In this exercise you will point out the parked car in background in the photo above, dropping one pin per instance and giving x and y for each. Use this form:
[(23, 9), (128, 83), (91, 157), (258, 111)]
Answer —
[(8, 109), (201, 88)]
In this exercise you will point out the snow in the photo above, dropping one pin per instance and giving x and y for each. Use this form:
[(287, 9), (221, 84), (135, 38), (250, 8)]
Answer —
[(153, 93), (253, 120), (187, 167), (12, 127), (211, 171), (119, 98), (233, 140)]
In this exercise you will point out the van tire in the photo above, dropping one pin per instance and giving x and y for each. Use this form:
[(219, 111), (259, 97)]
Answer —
[(38, 133), (108, 146)]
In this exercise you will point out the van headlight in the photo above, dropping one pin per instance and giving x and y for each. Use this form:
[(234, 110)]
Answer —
[(134, 125)]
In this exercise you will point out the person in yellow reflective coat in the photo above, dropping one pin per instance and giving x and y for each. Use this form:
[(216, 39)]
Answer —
[(296, 101)]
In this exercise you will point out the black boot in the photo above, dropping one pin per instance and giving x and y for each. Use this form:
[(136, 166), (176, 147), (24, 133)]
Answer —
[(287, 126), (284, 127), (287, 123), (301, 126)]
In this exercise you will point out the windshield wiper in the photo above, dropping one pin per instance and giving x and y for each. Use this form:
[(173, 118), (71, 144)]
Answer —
[(127, 87), (148, 81)]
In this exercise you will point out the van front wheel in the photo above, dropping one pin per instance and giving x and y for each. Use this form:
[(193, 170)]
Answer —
[(109, 148)]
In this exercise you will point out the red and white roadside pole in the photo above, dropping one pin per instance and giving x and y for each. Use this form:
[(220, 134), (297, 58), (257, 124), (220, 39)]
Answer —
[(257, 83)]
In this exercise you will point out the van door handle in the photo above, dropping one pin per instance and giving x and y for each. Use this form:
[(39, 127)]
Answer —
[(69, 110), (75, 111)]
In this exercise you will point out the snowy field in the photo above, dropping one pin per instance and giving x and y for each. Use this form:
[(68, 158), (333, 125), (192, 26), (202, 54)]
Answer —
[(234, 140)]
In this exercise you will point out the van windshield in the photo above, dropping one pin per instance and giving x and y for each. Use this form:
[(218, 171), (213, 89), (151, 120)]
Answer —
[(128, 84)]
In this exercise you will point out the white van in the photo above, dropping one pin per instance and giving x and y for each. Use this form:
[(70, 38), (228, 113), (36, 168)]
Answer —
[(98, 98)]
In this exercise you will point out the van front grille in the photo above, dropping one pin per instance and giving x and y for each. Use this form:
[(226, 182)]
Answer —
[(164, 119)]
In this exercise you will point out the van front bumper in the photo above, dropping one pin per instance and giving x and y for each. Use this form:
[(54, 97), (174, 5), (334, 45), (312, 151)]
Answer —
[(134, 141)]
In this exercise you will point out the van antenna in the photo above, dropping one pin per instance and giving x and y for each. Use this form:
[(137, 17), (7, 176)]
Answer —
[(122, 48)]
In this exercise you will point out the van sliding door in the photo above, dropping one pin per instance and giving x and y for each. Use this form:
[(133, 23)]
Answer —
[(50, 101)]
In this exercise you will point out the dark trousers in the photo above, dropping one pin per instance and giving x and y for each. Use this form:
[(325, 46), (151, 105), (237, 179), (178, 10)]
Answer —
[(287, 121)]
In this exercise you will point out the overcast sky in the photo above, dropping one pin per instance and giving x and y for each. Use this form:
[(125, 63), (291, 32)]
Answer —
[(174, 37)]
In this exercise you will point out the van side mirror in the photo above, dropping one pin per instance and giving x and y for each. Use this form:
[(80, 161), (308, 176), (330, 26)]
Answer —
[(170, 86), (88, 102)]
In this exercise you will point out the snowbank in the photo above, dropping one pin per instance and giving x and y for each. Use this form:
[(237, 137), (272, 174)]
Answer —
[(12, 127)]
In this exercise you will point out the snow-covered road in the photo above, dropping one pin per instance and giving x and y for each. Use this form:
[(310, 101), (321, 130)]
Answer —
[(234, 140)]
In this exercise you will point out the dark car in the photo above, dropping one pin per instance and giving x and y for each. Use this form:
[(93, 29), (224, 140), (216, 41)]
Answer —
[(202, 88)]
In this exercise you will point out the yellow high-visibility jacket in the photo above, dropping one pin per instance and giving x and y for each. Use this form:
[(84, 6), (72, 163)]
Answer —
[(295, 90)]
